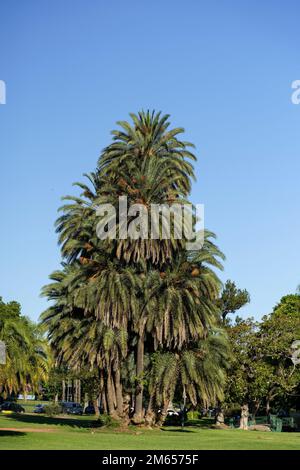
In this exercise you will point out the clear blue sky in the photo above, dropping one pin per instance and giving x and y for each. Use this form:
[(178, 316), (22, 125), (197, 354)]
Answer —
[(222, 69)]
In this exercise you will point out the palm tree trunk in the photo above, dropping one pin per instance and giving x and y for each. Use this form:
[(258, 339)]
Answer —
[(104, 401), (86, 400), (119, 395), (110, 393), (163, 413), (96, 407), (63, 390), (78, 390), (149, 418), (138, 415), (113, 389)]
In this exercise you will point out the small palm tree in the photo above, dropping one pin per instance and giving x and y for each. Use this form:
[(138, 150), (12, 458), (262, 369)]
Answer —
[(198, 371), (27, 360)]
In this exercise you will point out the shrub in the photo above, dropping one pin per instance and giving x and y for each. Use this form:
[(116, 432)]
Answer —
[(52, 409), (107, 421), (192, 415)]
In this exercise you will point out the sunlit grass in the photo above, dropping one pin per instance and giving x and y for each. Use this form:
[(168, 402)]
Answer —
[(81, 433)]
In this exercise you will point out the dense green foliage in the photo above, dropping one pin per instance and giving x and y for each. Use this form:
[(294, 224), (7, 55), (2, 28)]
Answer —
[(262, 372), (26, 351)]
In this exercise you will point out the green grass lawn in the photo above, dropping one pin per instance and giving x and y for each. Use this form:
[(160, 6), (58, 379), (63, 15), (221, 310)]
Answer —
[(80, 433)]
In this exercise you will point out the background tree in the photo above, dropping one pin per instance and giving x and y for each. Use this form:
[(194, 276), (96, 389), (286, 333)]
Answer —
[(262, 373), (278, 331), (26, 351), (232, 299), (248, 377)]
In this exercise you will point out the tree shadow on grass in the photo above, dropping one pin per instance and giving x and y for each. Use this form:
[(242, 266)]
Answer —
[(204, 423), (201, 423), (11, 433), (53, 420), (176, 430)]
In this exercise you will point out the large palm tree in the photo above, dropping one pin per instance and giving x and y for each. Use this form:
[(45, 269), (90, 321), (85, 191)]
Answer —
[(154, 290)]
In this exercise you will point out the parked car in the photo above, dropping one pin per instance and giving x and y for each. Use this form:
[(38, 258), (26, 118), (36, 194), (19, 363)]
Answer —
[(39, 408), (11, 407), (89, 410), (173, 412), (72, 408)]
